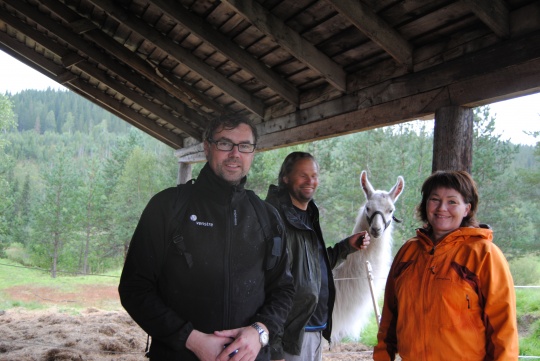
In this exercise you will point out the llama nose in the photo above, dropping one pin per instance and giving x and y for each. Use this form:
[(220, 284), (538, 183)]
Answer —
[(376, 231)]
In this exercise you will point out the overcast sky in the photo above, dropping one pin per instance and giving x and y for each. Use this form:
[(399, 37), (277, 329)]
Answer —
[(513, 117)]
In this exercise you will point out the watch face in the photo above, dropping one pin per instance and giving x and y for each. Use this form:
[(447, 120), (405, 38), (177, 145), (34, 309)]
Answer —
[(264, 338)]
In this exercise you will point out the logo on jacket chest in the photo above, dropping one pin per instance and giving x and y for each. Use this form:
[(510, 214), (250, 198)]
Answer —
[(193, 218)]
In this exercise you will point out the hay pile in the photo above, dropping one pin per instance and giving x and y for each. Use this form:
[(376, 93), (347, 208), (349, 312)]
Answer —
[(96, 335), (92, 335)]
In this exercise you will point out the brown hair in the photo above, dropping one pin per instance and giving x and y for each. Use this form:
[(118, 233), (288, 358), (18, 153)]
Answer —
[(460, 181), (230, 121)]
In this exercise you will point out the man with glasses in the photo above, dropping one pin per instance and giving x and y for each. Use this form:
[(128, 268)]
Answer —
[(220, 289)]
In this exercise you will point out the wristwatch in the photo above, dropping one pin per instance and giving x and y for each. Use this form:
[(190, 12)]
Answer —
[(263, 335)]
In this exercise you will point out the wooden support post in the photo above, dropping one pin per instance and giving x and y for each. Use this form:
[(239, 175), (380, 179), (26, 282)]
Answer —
[(184, 172), (452, 139)]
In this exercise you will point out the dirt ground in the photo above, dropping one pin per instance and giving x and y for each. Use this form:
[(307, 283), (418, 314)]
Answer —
[(94, 334)]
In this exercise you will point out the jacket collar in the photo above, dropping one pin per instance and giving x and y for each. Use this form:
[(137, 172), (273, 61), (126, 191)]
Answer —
[(216, 188), (461, 234), (282, 197)]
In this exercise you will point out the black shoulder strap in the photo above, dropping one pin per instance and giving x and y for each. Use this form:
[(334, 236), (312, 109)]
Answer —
[(262, 213), (271, 233), (183, 195)]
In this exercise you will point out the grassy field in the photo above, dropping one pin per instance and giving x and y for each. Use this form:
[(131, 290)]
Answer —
[(15, 277)]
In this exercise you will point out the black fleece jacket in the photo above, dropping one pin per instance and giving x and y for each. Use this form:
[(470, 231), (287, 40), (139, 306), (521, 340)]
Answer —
[(219, 282)]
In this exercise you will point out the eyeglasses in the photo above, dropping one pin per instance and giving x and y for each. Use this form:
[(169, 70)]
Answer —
[(227, 146)]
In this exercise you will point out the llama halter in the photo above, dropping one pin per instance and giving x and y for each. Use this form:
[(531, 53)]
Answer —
[(386, 223)]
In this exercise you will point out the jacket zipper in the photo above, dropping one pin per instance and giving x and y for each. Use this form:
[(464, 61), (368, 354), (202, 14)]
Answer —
[(427, 277), (306, 251), (227, 263)]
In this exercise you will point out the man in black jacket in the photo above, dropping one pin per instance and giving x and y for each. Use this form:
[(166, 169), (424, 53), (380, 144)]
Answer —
[(220, 290), (310, 318)]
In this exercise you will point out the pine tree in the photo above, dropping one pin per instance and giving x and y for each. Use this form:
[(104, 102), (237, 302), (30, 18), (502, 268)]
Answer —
[(56, 216)]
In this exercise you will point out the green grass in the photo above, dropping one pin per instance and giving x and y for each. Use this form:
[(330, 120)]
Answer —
[(369, 335), (12, 274), (528, 314)]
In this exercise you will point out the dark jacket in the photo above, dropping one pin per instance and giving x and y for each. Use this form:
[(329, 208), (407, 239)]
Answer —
[(217, 282), (304, 259)]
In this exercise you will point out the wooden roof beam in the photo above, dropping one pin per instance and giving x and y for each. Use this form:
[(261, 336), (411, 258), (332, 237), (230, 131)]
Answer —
[(377, 30), (139, 99), (92, 52), (50, 69), (493, 13), (35, 61), (117, 50), (68, 56), (182, 56), (458, 82), (291, 41), (229, 48), (129, 115)]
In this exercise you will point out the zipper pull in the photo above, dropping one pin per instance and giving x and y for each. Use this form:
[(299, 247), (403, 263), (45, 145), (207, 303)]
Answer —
[(468, 302)]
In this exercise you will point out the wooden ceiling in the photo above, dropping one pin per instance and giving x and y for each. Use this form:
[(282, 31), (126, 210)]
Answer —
[(301, 69)]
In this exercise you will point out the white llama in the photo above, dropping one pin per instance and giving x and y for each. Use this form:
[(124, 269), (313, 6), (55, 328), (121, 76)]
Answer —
[(354, 303)]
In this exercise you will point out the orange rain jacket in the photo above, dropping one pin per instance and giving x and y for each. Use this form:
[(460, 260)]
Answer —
[(454, 301)]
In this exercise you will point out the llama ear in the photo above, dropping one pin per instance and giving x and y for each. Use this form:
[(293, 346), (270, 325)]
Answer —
[(364, 183), (397, 189)]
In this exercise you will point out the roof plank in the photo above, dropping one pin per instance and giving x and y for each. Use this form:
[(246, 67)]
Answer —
[(493, 13), (376, 29), (230, 49), (291, 41)]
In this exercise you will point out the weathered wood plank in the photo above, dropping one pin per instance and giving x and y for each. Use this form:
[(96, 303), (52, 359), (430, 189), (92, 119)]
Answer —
[(493, 13), (292, 41), (376, 29)]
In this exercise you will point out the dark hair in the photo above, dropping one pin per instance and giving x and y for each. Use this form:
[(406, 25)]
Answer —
[(288, 165), (230, 121), (460, 181)]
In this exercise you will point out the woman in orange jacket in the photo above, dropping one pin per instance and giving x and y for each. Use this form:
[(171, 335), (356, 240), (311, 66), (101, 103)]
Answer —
[(449, 293)]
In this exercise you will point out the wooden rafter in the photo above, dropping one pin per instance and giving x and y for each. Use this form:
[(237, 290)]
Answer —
[(230, 49), (335, 67), (493, 13), (301, 49), (57, 72), (146, 69), (183, 56), (129, 115), (376, 29), (84, 65)]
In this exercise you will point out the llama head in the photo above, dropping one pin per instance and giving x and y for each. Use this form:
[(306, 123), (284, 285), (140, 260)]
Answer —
[(379, 207)]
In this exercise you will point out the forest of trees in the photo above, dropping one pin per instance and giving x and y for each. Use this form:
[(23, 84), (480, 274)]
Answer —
[(75, 180)]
